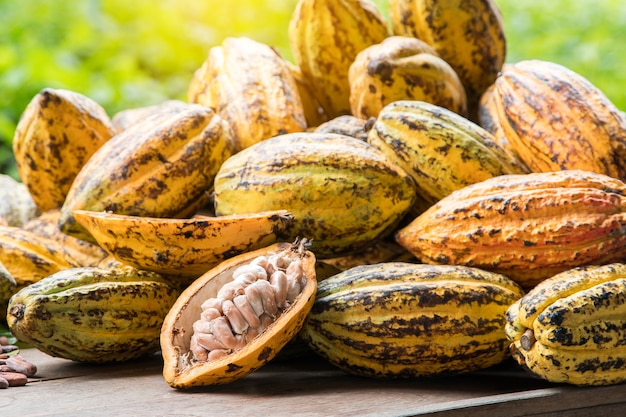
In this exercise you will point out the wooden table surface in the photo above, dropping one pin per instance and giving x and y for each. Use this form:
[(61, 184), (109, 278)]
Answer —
[(305, 386)]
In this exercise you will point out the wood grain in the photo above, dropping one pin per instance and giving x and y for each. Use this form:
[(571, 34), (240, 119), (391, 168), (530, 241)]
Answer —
[(298, 386)]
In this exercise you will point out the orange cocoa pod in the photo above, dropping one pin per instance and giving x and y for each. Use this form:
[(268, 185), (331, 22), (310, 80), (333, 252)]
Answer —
[(555, 119), (527, 227)]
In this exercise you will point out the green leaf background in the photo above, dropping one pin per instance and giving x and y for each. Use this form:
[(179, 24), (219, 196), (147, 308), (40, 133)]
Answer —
[(126, 54)]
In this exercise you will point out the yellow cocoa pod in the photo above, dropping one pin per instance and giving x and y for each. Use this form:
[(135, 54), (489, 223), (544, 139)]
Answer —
[(182, 248), (204, 341), (313, 111), (468, 34), (325, 38), (162, 167), (249, 85), (569, 328), (556, 119), (404, 320), (47, 225), (343, 193), (93, 315), (441, 150), (403, 68), (124, 119), (30, 257), (16, 204), (56, 135)]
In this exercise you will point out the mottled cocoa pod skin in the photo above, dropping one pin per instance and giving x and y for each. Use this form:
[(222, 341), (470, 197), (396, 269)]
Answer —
[(162, 167), (403, 320), (441, 150), (527, 227), (468, 34), (325, 37), (253, 88), (403, 68), (56, 135), (343, 193), (569, 328), (73, 313), (556, 119)]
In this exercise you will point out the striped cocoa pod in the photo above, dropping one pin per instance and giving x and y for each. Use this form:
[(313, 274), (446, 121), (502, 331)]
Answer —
[(161, 167), (325, 37), (401, 320), (556, 119)]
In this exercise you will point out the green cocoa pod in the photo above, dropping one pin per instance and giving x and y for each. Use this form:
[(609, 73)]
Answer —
[(91, 314)]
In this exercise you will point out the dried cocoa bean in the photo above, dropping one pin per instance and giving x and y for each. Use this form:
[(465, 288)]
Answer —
[(15, 379), (21, 365), (8, 348)]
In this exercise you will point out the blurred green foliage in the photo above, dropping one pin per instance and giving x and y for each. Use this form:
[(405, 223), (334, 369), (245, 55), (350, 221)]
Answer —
[(126, 54)]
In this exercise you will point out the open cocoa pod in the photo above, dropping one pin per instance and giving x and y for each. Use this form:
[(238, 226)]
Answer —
[(237, 316)]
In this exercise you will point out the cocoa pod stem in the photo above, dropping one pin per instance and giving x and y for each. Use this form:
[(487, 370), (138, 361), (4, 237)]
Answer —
[(528, 339)]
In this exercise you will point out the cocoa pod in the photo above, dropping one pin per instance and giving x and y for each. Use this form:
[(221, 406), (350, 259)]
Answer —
[(56, 135), (250, 86), (403, 68), (527, 227), (342, 192), (325, 37), (467, 34), (441, 150), (161, 167), (556, 119)]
